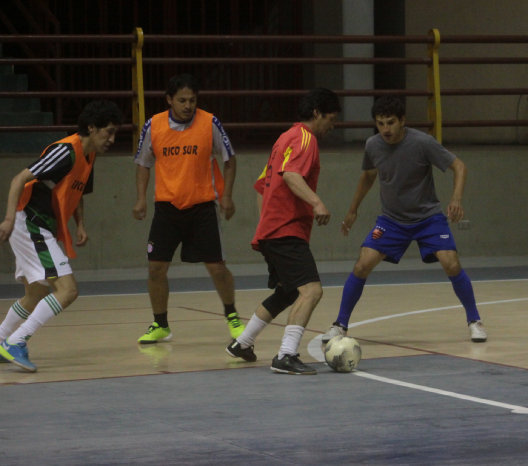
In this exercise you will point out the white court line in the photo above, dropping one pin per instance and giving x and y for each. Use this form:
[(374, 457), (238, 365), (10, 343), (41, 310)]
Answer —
[(314, 349), (513, 408), (421, 311), (314, 346)]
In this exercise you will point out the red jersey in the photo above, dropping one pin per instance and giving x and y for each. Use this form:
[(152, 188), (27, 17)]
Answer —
[(283, 213)]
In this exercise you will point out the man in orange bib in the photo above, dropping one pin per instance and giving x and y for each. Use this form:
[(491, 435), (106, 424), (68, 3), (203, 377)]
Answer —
[(181, 144), (41, 200)]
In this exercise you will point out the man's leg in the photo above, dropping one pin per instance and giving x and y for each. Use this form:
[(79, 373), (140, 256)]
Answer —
[(270, 308), (225, 286), (242, 346), (301, 311), (22, 308), (353, 289), (64, 293), (464, 291), (158, 288), (287, 360)]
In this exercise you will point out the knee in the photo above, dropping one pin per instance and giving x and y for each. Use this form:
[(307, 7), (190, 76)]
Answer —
[(452, 269), (65, 290), (72, 294), (361, 270), (157, 271), (218, 270), (67, 295), (368, 259), (312, 291), (278, 301), (450, 263)]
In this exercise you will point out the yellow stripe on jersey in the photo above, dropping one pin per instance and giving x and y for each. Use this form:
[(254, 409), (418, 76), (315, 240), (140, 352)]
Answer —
[(305, 142), (306, 138), (286, 155), (263, 174)]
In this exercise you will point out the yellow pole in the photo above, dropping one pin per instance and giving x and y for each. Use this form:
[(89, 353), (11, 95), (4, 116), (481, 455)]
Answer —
[(138, 100), (434, 106)]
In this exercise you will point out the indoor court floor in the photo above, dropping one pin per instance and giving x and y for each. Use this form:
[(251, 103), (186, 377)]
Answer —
[(423, 393)]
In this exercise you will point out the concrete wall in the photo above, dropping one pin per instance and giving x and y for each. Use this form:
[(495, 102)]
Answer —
[(496, 192), (477, 18), (495, 204)]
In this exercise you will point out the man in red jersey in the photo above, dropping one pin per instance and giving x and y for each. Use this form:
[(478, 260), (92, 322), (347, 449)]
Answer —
[(289, 205)]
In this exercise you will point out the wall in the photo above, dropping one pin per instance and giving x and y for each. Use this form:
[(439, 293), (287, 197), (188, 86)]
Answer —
[(495, 204), (496, 192), (479, 18)]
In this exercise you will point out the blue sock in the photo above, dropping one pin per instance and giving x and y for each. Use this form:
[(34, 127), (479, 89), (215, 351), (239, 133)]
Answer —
[(351, 293), (464, 291)]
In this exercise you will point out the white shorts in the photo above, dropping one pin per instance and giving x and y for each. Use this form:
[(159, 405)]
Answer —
[(38, 255)]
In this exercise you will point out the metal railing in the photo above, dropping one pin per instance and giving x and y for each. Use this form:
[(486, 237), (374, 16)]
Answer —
[(138, 60), (58, 63)]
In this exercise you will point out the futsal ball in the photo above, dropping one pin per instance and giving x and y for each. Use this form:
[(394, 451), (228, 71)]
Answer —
[(342, 353)]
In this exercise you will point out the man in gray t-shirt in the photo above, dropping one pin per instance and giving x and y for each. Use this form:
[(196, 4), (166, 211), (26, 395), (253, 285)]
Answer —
[(405, 173), (404, 159)]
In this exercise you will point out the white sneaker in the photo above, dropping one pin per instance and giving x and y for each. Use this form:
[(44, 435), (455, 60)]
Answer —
[(478, 334), (333, 331)]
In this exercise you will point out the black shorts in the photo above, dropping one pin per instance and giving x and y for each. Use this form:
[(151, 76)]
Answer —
[(290, 262), (196, 228)]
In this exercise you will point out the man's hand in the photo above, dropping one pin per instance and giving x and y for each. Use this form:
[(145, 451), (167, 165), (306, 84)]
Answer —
[(227, 207), (347, 223), (140, 209), (81, 236), (455, 212), (6, 228), (321, 214)]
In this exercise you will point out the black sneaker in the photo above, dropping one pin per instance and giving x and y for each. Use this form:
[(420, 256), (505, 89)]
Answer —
[(291, 364), (234, 349)]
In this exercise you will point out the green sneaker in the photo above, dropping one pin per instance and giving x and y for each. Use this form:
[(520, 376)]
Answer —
[(235, 326), (154, 334)]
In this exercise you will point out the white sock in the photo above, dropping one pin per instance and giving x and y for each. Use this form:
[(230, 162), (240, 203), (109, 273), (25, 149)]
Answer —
[(14, 317), (291, 340), (252, 330), (47, 308)]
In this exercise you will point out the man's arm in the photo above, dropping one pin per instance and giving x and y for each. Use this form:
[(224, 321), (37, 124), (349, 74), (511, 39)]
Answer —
[(78, 215), (227, 206), (142, 180), (455, 212), (366, 180), (15, 191), (300, 188)]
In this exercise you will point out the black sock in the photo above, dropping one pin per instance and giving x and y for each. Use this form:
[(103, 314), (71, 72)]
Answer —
[(161, 320), (229, 309)]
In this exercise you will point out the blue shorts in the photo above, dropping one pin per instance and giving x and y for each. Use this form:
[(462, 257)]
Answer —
[(392, 238)]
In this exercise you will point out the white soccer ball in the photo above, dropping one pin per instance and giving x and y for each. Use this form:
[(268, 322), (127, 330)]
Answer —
[(342, 353)]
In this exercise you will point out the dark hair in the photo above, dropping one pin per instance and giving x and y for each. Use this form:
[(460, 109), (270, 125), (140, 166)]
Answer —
[(179, 82), (99, 113), (388, 105), (321, 99)]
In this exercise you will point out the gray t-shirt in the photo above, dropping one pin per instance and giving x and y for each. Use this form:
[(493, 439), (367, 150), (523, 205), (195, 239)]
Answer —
[(405, 171)]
